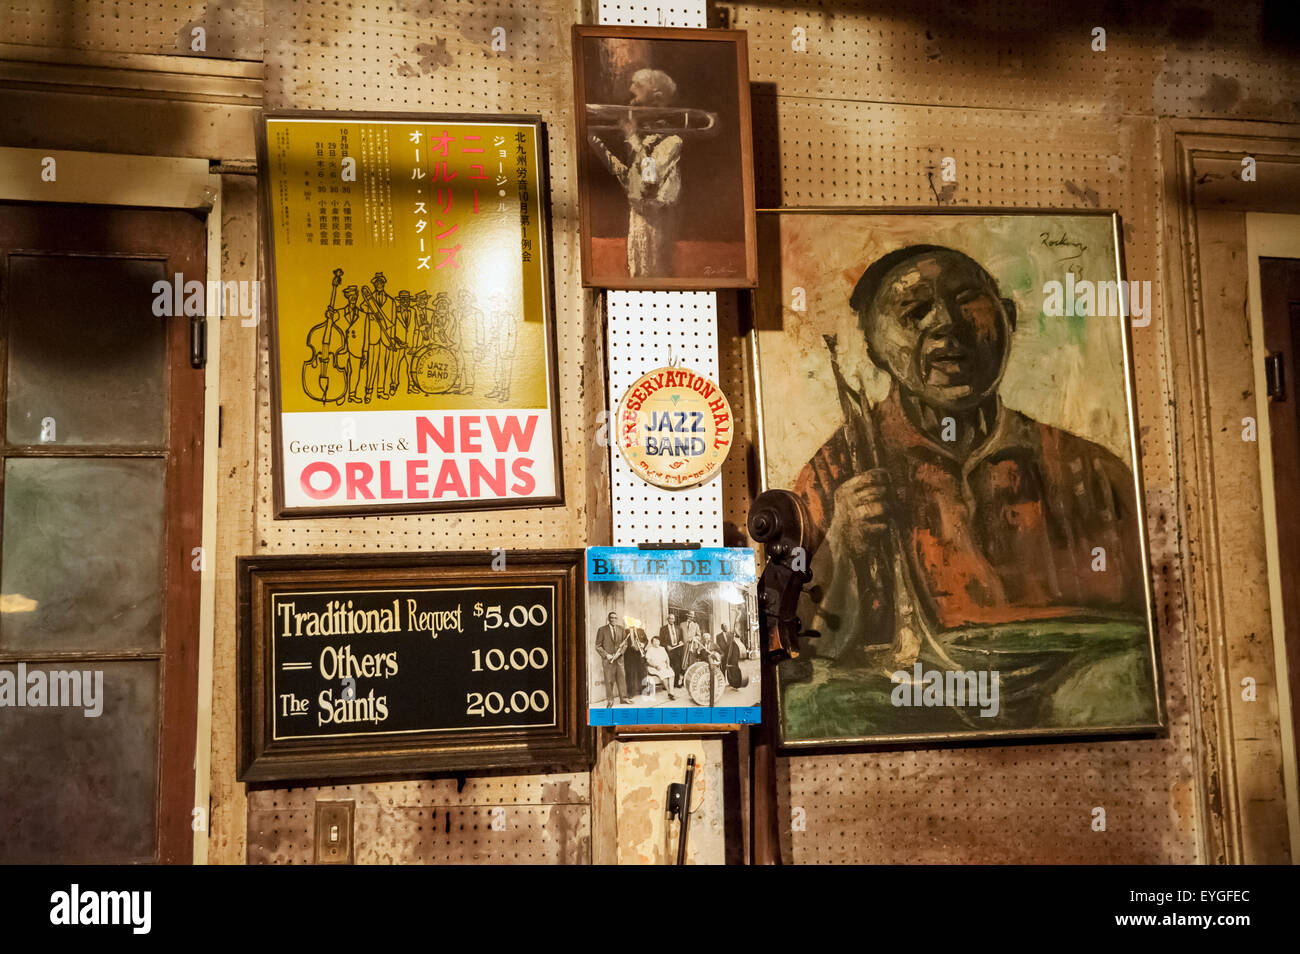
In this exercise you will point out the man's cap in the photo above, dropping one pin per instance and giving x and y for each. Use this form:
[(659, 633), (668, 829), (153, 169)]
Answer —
[(864, 293)]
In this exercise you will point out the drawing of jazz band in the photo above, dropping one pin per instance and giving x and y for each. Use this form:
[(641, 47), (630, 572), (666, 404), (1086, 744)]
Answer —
[(373, 344)]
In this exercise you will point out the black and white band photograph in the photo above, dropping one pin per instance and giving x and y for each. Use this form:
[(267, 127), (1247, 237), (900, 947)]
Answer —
[(656, 640)]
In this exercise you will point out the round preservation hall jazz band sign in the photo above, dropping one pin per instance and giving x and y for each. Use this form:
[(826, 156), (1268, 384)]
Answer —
[(674, 428)]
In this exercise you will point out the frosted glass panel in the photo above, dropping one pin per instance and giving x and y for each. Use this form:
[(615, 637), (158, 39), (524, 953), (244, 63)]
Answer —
[(86, 352), (79, 788), (82, 564)]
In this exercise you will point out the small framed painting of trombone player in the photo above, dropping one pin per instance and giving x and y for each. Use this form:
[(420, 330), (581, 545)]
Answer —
[(665, 158), (952, 403), (412, 351)]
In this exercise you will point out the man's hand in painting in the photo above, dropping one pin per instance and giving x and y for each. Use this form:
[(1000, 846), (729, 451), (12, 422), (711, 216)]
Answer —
[(864, 505)]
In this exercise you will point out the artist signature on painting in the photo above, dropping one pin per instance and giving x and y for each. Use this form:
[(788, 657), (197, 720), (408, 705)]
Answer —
[(1063, 242), (719, 270)]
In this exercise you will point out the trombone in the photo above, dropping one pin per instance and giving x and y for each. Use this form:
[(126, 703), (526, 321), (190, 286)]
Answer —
[(660, 119)]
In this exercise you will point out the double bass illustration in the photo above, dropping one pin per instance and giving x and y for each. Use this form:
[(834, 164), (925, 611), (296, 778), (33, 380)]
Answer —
[(324, 377)]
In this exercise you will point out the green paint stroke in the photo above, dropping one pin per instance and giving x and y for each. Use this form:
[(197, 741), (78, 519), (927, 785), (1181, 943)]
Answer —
[(1075, 323), (1052, 673)]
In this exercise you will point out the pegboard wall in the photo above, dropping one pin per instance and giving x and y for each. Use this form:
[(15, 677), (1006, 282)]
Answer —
[(498, 820), (683, 13), (855, 103), (1164, 58), (437, 57), (231, 29), (863, 115)]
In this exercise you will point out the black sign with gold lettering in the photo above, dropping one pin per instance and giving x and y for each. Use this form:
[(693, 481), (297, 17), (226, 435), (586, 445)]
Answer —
[(365, 664)]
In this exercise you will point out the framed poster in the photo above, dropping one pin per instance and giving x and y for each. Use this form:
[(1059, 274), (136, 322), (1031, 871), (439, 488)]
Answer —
[(665, 158), (672, 636), (412, 349), (365, 664), (950, 394)]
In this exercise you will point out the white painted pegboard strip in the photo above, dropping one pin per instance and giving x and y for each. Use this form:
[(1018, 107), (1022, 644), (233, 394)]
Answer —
[(679, 13), (648, 330)]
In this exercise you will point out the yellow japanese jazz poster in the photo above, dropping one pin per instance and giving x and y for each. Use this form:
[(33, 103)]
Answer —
[(413, 342)]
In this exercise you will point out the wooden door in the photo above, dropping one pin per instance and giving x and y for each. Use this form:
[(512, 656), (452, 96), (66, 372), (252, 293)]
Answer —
[(101, 457), (1280, 297)]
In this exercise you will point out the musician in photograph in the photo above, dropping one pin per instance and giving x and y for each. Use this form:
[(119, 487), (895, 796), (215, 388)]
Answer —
[(995, 517), (611, 642), (737, 650), (649, 174), (634, 668), (723, 639), (659, 667), (690, 639), (670, 637), (703, 648)]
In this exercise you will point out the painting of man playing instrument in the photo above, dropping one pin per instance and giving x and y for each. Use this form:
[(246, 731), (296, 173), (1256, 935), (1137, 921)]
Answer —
[(666, 184), (961, 439)]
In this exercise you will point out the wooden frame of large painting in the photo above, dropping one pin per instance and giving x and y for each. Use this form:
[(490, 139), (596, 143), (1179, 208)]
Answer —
[(957, 416)]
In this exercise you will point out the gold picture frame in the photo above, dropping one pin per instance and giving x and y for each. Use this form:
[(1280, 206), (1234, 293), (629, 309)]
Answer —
[(812, 260), (351, 386)]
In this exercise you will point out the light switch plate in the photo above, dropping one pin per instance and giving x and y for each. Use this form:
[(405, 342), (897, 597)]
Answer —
[(334, 844)]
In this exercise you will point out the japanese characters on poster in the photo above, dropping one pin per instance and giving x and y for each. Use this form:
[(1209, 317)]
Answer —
[(672, 636), (413, 338)]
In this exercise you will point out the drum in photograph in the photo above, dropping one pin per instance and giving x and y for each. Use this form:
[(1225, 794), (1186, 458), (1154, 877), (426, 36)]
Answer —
[(697, 683), (435, 369)]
